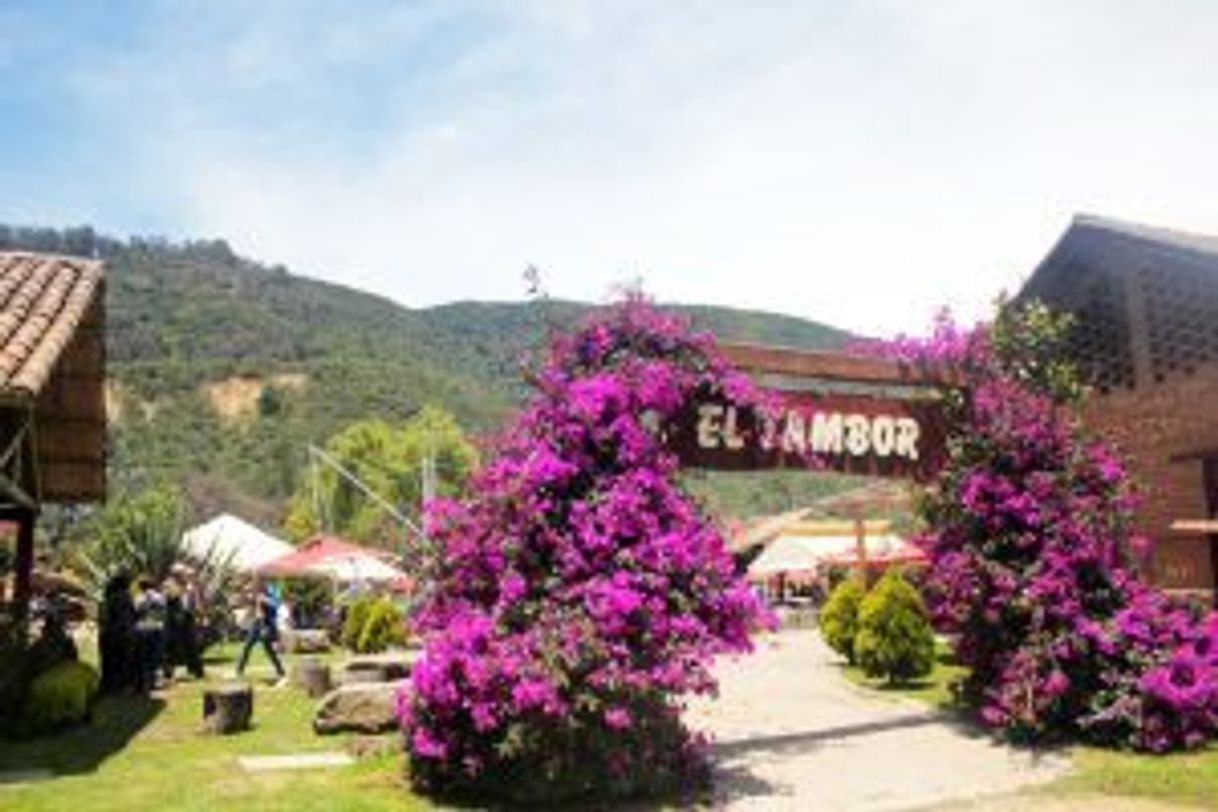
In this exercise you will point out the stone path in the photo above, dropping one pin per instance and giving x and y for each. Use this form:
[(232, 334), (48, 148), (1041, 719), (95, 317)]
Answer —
[(791, 733), (298, 761)]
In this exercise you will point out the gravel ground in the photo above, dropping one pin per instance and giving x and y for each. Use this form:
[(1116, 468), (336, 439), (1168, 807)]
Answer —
[(791, 733)]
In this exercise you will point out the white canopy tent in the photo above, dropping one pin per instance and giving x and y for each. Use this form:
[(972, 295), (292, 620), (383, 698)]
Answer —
[(227, 537), (794, 554)]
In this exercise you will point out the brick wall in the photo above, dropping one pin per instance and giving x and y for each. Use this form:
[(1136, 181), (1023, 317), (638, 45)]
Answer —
[(1150, 426)]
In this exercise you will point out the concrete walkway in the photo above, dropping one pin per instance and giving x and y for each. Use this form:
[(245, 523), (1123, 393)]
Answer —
[(791, 733)]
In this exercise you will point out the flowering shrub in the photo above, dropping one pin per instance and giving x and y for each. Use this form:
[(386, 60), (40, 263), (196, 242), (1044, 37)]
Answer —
[(1034, 564), (579, 595)]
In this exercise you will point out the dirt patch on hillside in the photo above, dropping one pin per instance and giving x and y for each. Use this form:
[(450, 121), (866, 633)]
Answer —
[(116, 403), (290, 380), (122, 404), (235, 398)]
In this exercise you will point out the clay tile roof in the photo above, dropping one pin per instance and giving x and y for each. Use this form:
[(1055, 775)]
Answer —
[(42, 300)]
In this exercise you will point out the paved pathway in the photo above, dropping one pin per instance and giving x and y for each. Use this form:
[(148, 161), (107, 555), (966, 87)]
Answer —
[(791, 733)]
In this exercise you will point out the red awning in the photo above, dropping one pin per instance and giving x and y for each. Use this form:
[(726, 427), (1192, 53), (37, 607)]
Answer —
[(319, 551)]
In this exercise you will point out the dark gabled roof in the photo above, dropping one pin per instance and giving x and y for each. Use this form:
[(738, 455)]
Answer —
[(1145, 299), (1169, 237), (1093, 242)]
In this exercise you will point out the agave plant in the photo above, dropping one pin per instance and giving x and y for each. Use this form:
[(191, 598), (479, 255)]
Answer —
[(141, 534)]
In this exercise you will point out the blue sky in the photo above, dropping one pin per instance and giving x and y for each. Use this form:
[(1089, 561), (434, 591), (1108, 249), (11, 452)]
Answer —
[(859, 163)]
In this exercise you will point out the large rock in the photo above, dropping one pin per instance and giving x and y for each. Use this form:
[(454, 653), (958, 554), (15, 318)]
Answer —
[(360, 708), (388, 667)]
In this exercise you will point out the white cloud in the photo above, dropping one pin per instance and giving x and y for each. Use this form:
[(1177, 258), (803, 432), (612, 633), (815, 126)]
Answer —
[(862, 166)]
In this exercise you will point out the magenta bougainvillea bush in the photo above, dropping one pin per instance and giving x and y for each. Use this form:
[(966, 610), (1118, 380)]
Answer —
[(579, 595), (1034, 564)]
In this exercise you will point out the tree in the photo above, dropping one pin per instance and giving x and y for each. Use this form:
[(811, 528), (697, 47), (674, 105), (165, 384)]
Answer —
[(138, 532), (579, 595), (895, 640), (389, 460)]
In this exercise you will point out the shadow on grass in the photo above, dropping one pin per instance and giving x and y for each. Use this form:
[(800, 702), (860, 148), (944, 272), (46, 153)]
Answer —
[(116, 721)]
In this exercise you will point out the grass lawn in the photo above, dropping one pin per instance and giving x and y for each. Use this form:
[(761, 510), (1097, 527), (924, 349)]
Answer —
[(151, 755), (1180, 778), (934, 689)]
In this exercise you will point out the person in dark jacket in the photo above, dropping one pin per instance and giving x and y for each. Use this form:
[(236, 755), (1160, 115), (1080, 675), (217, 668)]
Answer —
[(181, 636), (264, 628), (116, 637), (149, 635)]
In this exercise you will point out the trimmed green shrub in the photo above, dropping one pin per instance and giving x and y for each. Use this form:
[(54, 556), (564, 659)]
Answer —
[(895, 639), (357, 618), (60, 697), (384, 627), (839, 617)]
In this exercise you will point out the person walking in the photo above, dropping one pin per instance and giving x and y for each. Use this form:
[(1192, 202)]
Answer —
[(263, 629)]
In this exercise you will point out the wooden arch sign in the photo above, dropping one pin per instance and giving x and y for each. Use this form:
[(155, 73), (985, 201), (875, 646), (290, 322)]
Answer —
[(839, 412)]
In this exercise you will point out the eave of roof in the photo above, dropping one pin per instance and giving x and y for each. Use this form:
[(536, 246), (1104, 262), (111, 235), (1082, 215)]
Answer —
[(43, 299), (1084, 229)]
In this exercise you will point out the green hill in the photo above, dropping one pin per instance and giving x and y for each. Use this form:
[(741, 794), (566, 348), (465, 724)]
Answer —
[(223, 369)]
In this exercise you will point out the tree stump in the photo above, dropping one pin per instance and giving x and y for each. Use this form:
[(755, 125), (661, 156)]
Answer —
[(228, 708), (312, 675)]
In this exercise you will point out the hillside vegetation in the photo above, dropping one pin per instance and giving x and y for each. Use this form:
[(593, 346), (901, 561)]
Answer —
[(223, 369)]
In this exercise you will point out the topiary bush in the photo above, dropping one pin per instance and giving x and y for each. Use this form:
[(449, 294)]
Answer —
[(356, 620), (895, 640), (579, 595), (60, 697), (384, 627), (840, 615)]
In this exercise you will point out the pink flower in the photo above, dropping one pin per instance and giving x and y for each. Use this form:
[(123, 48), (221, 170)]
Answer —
[(618, 718)]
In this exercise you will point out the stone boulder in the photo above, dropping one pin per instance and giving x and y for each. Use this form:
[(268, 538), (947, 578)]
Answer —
[(369, 707), (388, 667), (305, 641)]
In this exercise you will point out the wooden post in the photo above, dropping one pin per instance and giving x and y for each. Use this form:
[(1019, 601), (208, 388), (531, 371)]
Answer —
[(860, 544), (25, 567)]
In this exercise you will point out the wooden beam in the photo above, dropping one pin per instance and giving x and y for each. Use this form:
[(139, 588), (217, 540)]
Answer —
[(818, 364), (25, 567)]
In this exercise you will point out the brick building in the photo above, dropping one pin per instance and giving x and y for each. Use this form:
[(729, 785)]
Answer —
[(1146, 303)]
